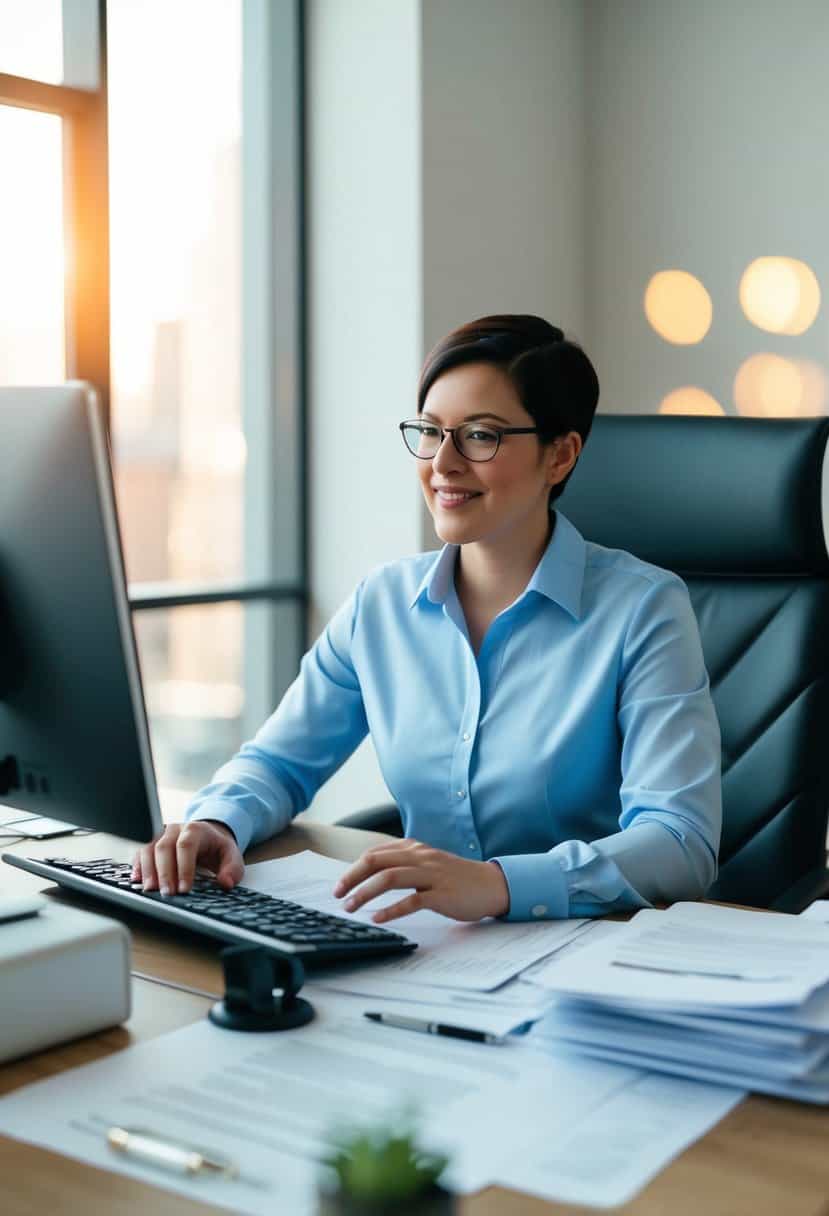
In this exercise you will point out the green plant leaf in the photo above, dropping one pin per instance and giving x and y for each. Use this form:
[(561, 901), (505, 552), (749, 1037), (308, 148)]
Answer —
[(383, 1163)]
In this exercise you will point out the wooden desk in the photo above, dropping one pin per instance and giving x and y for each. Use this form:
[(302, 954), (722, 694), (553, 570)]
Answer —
[(768, 1157)]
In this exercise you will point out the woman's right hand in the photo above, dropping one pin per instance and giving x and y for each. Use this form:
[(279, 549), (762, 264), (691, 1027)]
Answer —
[(168, 863)]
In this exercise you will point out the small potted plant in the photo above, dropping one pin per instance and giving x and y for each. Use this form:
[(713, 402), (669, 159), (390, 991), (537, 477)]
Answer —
[(382, 1172)]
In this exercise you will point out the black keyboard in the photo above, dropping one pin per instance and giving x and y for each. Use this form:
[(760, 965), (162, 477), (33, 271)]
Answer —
[(240, 915)]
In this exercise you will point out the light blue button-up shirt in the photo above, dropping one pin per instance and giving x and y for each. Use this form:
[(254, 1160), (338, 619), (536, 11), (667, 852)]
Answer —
[(580, 748)]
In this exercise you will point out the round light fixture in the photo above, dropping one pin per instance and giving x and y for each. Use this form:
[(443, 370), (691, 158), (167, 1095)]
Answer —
[(691, 400), (678, 307), (769, 386), (780, 295)]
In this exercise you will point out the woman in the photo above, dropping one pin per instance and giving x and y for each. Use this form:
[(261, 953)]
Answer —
[(539, 705)]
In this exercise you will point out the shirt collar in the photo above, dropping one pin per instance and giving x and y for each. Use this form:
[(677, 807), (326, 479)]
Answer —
[(559, 576), (437, 580)]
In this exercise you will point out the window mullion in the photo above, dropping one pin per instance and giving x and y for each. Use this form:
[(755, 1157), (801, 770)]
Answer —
[(37, 95), (143, 596), (272, 362)]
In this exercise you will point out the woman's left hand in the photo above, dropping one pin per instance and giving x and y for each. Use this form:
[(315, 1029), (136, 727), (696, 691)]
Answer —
[(454, 886)]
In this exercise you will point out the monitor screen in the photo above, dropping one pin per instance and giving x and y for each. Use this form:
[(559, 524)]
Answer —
[(74, 741)]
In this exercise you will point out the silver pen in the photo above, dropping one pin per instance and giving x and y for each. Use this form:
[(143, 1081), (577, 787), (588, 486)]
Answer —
[(426, 1027), (168, 1154)]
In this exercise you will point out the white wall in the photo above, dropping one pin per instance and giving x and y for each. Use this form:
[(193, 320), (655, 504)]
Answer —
[(503, 182), (706, 128), (446, 182), (364, 199)]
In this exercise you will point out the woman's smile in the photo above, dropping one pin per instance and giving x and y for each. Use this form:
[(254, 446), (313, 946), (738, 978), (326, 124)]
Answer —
[(451, 497)]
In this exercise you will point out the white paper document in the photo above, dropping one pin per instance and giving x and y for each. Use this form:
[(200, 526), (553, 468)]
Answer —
[(558, 1125), (818, 911), (698, 957), (492, 1013), (479, 956), (267, 1102), (811, 1015), (704, 992), (604, 1160), (767, 1036), (587, 1027), (594, 931), (812, 1088), (687, 949)]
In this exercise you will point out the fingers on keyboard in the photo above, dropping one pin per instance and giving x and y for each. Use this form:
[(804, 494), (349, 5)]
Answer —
[(165, 860), (187, 846), (149, 876)]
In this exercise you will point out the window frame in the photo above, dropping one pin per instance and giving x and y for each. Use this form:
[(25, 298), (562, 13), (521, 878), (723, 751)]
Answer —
[(273, 311)]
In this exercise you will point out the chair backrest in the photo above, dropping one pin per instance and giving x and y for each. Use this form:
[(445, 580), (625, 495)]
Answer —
[(734, 507)]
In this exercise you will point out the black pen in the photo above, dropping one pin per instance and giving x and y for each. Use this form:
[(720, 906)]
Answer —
[(452, 1032)]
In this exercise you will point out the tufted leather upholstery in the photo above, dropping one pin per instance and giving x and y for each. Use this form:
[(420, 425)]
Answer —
[(734, 507)]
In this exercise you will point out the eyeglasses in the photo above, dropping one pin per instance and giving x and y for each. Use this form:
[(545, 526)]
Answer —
[(474, 440)]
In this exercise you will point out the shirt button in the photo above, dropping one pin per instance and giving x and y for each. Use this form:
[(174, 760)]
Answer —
[(472, 844), (466, 736), (539, 909), (461, 793)]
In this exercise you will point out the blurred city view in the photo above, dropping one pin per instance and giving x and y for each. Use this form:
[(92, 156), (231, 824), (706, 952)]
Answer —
[(178, 445)]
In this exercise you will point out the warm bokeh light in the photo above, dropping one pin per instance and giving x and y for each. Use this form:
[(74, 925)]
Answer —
[(678, 307), (780, 295), (691, 400), (769, 386)]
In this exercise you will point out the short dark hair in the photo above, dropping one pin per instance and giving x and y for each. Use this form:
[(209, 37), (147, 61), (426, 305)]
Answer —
[(555, 381)]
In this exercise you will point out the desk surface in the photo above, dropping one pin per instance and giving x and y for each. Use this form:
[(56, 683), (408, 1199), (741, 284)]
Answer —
[(768, 1157)]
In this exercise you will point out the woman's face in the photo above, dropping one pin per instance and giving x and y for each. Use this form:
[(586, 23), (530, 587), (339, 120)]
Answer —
[(489, 501)]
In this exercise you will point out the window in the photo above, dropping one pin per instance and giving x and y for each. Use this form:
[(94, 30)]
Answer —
[(32, 323), (183, 311), (175, 253)]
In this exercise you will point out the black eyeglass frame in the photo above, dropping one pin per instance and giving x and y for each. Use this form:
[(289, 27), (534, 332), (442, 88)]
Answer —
[(500, 431)]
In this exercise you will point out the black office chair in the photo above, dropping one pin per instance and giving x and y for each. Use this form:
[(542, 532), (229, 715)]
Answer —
[(733, 506)]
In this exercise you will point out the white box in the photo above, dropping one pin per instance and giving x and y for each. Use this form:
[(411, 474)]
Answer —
[(63, 973)]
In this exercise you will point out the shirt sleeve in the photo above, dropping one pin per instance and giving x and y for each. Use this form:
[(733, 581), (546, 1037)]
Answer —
[(670, 795), (317, 725)]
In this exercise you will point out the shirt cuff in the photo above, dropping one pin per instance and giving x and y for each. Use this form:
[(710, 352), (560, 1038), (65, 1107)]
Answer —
[(227, 813), (538, 888)]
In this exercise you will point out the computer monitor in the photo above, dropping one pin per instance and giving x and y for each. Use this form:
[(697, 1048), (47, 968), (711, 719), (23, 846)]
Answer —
[(74, 740)]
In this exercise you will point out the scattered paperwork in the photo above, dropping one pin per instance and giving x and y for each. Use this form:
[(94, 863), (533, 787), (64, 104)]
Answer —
[(523, 1115), (479, 957), (498, 1013), (580, 1108), (546, 968), (733, 958), (717, 994), (813, 1088), (580, 1023), (606, 1159)]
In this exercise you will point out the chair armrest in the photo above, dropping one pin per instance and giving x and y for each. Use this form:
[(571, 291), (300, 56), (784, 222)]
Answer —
[(813, 885), (384, 818)]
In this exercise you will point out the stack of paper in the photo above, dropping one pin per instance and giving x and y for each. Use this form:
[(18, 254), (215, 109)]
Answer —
[(718, 994)]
